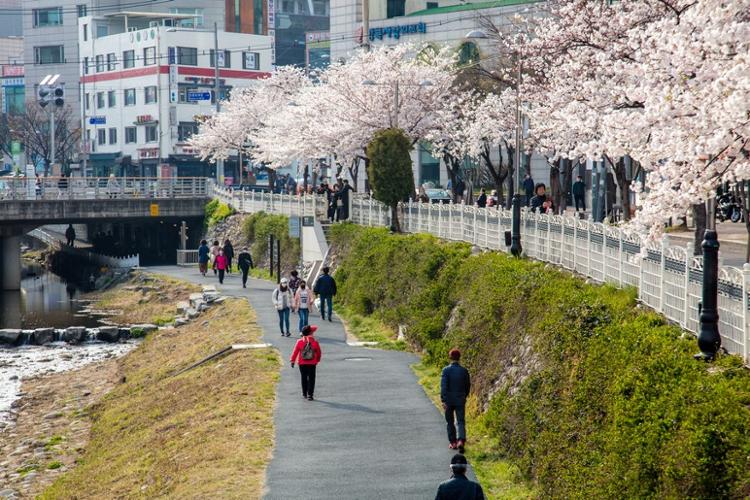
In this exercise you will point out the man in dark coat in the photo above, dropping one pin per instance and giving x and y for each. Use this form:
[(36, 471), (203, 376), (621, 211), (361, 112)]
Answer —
[(579, 193), (245, 263), (459, 487), (325, 288), (229, 254), (455, 385), (528, 187), (482, 200), (70, 235)]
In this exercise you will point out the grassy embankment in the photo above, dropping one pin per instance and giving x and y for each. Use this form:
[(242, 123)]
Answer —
[(576, 391), (206, 433)]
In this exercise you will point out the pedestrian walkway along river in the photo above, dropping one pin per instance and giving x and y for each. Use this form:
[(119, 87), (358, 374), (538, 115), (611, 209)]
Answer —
[(371, 433)]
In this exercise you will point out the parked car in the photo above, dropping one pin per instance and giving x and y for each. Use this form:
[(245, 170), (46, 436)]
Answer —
[(438, 195)]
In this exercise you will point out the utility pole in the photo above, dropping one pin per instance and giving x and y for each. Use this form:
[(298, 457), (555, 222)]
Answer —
[(366, 25), (51, 136), (219, 163)]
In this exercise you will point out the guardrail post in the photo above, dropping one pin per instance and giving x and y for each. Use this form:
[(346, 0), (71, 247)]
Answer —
[(686, 284), (745, 306), (620, 255), (588, 247), (662, 272)]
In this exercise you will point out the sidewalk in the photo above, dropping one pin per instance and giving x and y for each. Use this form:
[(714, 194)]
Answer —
[(372, 433)]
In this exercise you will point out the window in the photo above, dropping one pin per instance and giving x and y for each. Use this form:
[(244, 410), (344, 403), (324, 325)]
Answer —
[(432, 5), (102, 30), (129, 97), (101, 136), (99, 100), (468, 54), (151, 133), (87, 101), (111, 61), (85, 65), (14, 99), (195, 22), (187, 56), (48, 17), (113, 136), (50, 54), (149, 93), (130, 135), (128, 59), (85, 32), (99, 63), (149, 56), (250, 60), (111, 99), (429, 166), (319, 8), (226, 63), (395, 8), (185, 130), (82, 10)]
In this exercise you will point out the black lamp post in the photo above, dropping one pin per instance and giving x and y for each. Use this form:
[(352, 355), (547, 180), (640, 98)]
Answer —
[(709, 340)]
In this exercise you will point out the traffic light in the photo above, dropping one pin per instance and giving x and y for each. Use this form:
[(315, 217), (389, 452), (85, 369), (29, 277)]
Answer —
[(59, 95), (44, 95)]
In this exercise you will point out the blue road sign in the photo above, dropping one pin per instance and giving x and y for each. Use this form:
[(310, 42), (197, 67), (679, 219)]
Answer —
[(97, 120), (198, 96)]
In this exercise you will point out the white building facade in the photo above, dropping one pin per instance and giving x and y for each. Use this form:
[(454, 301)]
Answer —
[(146, 86)]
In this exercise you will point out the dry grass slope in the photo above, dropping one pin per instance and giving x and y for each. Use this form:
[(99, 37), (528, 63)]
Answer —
[(207, 433)]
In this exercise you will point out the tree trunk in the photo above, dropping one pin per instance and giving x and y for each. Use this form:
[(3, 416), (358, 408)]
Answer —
[(624, 183), (395, 223), (744, 196), (305, 176), (567, 183), (555, 187), (699, 215)]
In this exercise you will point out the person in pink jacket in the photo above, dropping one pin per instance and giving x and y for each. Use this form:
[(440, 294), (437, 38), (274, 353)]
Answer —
[(307, 354), (221, 265)]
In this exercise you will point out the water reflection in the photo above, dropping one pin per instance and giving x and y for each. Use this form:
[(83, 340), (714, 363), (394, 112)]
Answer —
[(45, 300)]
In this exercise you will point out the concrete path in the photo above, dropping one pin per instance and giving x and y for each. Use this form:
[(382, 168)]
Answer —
[(371, 433)]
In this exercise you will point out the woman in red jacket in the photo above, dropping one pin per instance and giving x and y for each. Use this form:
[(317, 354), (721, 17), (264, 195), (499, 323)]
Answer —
[(221, 265), (307, 354)]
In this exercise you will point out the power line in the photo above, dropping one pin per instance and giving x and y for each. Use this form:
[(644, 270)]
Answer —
[(74, 10)]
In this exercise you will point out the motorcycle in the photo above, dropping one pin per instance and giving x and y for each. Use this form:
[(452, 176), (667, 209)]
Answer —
[(728, 207)]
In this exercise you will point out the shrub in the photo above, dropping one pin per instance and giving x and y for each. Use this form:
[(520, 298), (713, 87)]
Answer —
[(216, 212), (258, 227), (588, 395)]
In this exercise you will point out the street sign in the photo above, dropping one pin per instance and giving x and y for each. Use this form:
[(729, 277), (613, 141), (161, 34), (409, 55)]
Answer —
[(198, 96), (97, 120), (294, 227), (154, 210), (308, 221)]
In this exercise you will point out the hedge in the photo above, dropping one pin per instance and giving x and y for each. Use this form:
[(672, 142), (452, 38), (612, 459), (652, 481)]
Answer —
[(588, 393), (256, 229), (215, 212)]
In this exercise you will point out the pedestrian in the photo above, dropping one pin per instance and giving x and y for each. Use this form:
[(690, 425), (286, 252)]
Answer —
[(307, 355), (346, 191), (455, 384), (539, 201), (214, 253), (528, 187), (294, 281), (112, 186), (245, 263), (204, 255), (229, 254), (282, 301), (70, 235), (301, 304), (221, 265), (325, 288), (459, 487), (579, 193), (460, 189), (482, 200)]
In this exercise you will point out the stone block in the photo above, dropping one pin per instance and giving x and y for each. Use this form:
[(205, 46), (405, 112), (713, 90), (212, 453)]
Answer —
[(145, 327), (182, 306), (43, 336), (74, 334), (10, 336), (109, 334)]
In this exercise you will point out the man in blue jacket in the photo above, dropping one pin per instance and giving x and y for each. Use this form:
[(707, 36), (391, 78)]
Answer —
[(455, 385), (459, 487), (325, 288)]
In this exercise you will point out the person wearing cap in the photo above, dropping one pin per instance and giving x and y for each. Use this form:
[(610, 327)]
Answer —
[(307, 355), (282, 301), (245, 263), (455, 385), (459, 487)]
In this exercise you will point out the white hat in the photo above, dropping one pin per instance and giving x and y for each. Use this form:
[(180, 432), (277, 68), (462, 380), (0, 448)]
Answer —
[(284, 281)]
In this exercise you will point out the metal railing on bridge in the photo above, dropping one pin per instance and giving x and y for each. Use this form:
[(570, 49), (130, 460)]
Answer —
[(95, 188), (668, 279)]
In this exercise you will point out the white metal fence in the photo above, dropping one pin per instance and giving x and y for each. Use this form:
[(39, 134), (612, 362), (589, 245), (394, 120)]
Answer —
[(124, 262), (93, 188), (668, 279)]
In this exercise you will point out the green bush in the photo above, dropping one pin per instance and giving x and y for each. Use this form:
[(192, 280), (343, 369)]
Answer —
[(216, 212), (258, 227), (589, 395)]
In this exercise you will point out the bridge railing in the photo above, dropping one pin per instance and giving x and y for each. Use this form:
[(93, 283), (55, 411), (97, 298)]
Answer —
[(92, 188), (122, 262), (668, 278)]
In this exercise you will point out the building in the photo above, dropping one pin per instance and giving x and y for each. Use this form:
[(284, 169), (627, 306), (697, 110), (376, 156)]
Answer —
[(317, 49), (146, 85), (10, 18)]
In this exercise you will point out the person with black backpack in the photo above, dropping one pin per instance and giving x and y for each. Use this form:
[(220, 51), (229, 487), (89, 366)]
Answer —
[(459, 487), (307, 354)]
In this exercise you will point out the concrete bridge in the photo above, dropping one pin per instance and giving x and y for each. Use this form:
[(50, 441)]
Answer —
[(29, 203)]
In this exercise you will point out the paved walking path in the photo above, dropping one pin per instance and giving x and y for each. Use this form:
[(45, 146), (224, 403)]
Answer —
[(371, 433)]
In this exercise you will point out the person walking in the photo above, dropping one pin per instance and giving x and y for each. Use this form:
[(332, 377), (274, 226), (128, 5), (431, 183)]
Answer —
[(282, 301), (221, 265), (70, 235), (482, 200), (325, 288), (455, 385), (229, 254), (579, 193), (459, 487), (528, 187), (214, 253), (301, 304), (245, 263), (307, 355), (294, 281), (204, 255)]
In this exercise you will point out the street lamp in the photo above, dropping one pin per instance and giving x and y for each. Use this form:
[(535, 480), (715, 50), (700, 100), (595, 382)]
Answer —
[(709, 340), (219, 163), (515, 245), (396, 102)]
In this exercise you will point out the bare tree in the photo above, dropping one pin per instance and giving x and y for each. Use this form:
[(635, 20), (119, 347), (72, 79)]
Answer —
[(32, 129)]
